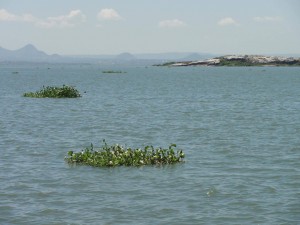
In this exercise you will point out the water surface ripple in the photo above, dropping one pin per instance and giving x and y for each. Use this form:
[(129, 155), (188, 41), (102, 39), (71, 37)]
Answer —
[(239, 128)]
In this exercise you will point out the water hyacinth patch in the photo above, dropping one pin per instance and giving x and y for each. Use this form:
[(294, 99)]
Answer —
[(117, 155), (113, 71), (54, 92)]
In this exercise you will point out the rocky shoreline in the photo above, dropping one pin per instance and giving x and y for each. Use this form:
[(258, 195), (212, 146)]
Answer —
[(240, 60)]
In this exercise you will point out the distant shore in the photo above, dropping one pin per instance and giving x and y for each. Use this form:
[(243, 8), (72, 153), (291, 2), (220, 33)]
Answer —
[(240, 60)]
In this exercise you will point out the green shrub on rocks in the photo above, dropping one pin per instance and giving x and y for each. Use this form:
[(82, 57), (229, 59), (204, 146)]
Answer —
[(54, 92), (117, 155)]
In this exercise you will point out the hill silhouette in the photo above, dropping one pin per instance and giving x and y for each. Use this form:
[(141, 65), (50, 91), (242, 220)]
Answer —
[(28, 53)]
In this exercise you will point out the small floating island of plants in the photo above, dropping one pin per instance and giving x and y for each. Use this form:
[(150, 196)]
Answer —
[(113, 71), (54, 92), (117, 155)]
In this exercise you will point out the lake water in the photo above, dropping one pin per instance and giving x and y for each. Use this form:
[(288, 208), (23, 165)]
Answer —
[(239, 129)]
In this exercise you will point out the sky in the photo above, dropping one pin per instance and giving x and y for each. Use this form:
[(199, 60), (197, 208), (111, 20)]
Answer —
[(91, 27)]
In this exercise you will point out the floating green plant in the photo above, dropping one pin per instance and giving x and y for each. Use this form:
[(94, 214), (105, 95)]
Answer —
[(113, 71), (117, 155), (54, 92)]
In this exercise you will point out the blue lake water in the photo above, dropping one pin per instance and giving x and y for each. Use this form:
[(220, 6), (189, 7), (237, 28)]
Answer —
[(239, 129)]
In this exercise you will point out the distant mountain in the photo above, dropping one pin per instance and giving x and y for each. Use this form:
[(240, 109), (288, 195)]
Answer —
[(125, 56), (4, 51), (28, 53)]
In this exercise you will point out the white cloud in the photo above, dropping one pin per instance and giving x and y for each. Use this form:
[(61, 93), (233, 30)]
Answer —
[(28, 18), (73, 18), (267, 19), (7, 16), (108, 14), (227, 21), (171, 23)]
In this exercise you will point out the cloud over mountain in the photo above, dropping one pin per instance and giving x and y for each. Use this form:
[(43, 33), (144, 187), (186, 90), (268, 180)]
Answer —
[(10, 17), (73, 18)]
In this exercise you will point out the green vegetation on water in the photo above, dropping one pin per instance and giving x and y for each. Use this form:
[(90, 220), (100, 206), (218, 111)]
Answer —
[(117, 155), (113, 71), (54, 92)]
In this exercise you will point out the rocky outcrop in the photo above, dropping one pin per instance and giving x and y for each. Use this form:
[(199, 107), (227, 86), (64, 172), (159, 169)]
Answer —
[(241, 60)]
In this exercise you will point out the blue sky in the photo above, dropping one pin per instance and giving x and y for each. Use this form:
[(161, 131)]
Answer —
[(152, 26)]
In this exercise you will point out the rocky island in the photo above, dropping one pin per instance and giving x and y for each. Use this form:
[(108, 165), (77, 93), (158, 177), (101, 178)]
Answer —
[(240, 60)]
